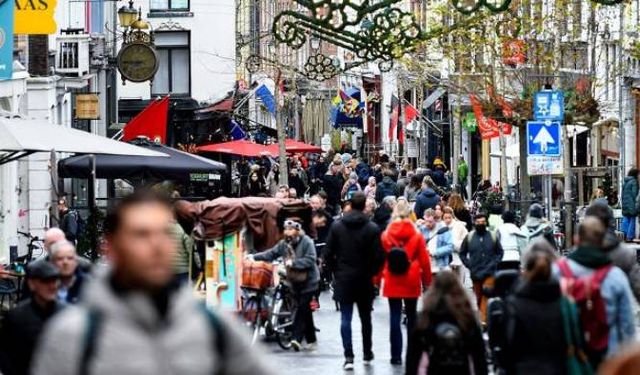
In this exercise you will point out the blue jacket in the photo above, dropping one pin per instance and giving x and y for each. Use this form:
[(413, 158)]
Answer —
[(427, 198), (444, 246), (629, 194), (616, 292)]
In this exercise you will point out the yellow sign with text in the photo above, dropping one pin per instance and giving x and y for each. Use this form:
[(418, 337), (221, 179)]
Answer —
[(35, 17)]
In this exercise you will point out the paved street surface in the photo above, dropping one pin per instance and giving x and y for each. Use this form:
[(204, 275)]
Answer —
[(328, 358)]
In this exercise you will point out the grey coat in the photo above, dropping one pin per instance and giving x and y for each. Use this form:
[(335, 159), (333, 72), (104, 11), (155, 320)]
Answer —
[(134, 340), (305, 259), (624, 257)]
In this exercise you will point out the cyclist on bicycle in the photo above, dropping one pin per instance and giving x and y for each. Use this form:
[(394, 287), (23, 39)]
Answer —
[(302, 272)]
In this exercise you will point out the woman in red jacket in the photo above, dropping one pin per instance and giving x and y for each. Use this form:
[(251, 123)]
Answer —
[(404, 287)]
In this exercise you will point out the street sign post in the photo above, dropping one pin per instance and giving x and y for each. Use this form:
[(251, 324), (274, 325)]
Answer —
[(548, 105), (543, 138)]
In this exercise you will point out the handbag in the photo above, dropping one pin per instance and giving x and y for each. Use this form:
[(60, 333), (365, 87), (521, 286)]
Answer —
[(294, 275), (577, 361)]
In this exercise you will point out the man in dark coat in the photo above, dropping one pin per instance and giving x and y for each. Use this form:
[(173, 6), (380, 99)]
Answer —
[(355, 255), (24, 324), (68, 221), (332, 183), (427, 198), (387, 187)]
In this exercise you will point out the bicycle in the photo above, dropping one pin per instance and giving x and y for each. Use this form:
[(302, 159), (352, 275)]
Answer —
[(253, 310), (282, 313), (36, 244)]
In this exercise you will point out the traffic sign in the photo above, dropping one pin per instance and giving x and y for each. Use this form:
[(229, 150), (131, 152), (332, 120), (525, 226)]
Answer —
[(548, 105), (543, 138)]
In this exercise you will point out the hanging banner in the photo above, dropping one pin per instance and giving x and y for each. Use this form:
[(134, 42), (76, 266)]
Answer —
[(6, 39), (34, 16)]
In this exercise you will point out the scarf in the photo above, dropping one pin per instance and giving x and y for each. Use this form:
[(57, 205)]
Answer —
[(590, 256)]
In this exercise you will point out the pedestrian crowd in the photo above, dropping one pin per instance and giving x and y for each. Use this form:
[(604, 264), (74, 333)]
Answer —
[(477, 293)]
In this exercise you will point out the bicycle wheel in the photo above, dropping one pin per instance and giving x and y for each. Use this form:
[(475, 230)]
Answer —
[(284, 324), (251, 312)]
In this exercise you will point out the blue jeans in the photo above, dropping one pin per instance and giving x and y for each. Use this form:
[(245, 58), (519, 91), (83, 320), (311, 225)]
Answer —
[(364, 310), (395, 334), (629, 227)]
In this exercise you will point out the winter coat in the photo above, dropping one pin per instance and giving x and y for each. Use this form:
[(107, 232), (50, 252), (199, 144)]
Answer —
[(536, 343), (21, 329), (421, 340), (439, 177), (386, 188), (349, 188), (305, 259), (333, 187), (354, 255), (183, 249), (134, 338), (401, 185), (370, 191), (629, 194), (624, 257), (427, 198), (382, 217), (481, 254), (513, 241), (617, 295), (411, 193), (272, 183), (69, 225), (363, 171), (296, 182), (410, 285), (74, 293), (442, 255), (463, 172), (535, 227)]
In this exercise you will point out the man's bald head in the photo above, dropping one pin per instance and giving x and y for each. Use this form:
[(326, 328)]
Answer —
[(52, 236), (591, 231)]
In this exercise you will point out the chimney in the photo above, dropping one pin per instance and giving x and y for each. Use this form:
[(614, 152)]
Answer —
[(39, 55)]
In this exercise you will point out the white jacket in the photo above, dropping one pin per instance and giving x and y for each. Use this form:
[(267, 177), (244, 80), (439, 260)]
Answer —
[(513, 241)]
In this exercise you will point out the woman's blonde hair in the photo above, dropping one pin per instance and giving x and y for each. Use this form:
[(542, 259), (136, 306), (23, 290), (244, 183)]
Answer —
[(402, 210)]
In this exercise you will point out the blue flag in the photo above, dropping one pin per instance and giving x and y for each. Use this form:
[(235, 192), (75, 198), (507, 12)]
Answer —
[(6, 39), (236, 131), (264, 94)]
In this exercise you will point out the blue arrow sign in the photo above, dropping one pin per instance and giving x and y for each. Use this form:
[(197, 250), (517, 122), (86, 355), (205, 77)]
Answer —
[(543, 138), (548, 105)]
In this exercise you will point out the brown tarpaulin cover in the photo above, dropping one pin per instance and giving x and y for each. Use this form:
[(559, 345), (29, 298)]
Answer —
[(214, 219)]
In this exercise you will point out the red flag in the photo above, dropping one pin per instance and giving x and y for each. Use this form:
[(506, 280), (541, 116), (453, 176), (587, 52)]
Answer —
[(393, 121), (410, 113), (151, 122)]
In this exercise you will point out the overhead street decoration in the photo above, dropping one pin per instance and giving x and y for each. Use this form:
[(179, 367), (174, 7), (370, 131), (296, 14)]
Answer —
[(469, 7), (375, 32), (318, 67)]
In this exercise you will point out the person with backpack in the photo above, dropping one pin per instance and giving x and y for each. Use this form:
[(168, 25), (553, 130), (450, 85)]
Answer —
[(481, 252), (134, 319), (354, 255), (71, 223), (448, 337), (600, 290), (512, 240), (387, 187), (427, 198), (629, 213), (536, 225), (406, 273), (350, 187), (532, 330)]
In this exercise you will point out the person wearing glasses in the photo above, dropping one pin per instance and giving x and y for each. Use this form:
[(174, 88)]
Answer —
[(299, 253)]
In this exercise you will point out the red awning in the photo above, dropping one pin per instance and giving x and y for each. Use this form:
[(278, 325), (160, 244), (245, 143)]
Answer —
[(239, 147), (293, 146), (225, 105)]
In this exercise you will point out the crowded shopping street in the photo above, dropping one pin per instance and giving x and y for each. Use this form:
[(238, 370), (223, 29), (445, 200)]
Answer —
[(242, 187)]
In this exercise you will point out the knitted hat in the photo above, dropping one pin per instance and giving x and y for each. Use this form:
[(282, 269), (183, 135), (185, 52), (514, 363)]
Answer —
[(536, 210)]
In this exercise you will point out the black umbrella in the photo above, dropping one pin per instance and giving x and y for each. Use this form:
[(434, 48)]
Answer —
[(179, 166)]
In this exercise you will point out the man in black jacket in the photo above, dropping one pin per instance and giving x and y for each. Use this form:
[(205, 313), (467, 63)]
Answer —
[(355, 255), (24, 324), (332, 183)]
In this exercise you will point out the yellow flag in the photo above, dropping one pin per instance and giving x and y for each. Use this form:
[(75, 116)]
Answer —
[(35, 17)]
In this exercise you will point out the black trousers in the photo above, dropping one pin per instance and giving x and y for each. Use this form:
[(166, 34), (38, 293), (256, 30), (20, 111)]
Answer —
[(303, 327)]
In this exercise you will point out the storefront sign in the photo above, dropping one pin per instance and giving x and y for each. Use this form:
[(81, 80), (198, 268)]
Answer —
[(6, 39), (34, 16), (87, 107)]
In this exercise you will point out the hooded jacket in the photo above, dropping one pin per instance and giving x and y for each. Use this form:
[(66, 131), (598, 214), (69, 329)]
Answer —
[(535, 227), (513, 241), (442, 255), (481, 253), (629, 194), (385, 188), (410, 285), (354, 255), (134, 338), (537, 344), (427, 198)]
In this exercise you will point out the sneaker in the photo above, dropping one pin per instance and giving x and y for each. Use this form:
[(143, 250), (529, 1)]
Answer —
[(310, 347), (296, 345), (348, 364), (396, 362), (368, 359)]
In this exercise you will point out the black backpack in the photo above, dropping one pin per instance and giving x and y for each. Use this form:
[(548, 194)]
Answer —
[(398, 260), (447, 350)]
